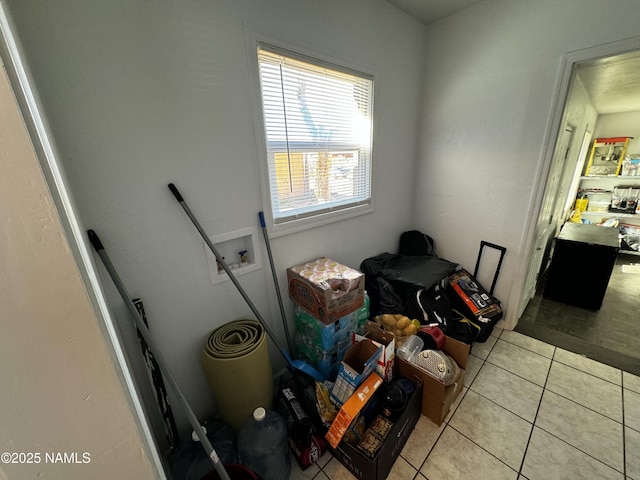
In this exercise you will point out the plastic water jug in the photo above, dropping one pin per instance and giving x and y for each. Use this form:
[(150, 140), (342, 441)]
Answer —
[(263, 446)]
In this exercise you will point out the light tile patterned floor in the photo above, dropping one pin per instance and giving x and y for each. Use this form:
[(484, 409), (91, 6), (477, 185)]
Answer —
[(529, 411)]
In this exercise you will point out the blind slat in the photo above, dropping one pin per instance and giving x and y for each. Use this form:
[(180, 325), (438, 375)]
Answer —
[(317, 121)]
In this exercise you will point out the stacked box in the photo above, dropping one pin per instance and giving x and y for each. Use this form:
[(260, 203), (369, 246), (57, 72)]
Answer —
[(320, 335), (325, 288), (327, 362), (323, 345), (363, 314)]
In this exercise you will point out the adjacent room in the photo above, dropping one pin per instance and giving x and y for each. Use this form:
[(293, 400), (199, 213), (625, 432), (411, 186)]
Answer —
[(473, 124)]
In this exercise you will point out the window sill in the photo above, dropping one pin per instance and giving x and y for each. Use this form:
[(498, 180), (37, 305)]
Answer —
[(294, 226)]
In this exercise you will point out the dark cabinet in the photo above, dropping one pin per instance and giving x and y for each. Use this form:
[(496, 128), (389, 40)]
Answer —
[(581, 265)]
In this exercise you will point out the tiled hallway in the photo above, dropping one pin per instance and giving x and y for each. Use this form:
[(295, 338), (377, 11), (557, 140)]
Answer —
[(530, 411)]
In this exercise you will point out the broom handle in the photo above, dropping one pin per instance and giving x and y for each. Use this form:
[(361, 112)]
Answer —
[(164, 367), (226, 268), (274, 274)]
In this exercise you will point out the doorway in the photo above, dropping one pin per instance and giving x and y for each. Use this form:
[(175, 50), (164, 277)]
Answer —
[(606, 335)]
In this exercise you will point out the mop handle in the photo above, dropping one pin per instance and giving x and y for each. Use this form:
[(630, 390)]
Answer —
[(226, 268), (274, 274), (164, 367)]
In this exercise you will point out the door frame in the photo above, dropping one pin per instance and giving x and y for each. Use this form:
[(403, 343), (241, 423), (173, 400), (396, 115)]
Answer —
[(554, 125)]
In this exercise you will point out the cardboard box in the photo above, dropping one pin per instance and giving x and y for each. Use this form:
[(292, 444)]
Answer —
[(326, 289), (351, 408), (358, 362), (373, 331), (436, 397), (378, 467)]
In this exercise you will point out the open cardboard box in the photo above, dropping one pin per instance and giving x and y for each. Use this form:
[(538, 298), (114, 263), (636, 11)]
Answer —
[(358, 362), (378, 467), (436, 397), (373, 331)]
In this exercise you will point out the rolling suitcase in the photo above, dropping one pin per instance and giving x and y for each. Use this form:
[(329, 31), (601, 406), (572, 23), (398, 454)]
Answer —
[(472, 300)]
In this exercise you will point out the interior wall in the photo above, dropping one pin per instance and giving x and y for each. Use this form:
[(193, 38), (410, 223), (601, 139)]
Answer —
[(60, 390), (141, 93), (624, 124), (490, 86)]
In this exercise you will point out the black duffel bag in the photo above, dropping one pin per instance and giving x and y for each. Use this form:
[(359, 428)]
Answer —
[(391, 279)]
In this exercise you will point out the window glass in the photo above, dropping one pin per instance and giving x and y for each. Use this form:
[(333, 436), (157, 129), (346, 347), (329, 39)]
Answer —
[(318, 132)]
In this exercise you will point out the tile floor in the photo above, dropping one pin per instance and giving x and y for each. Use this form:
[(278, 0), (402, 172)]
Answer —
[(529, 410)]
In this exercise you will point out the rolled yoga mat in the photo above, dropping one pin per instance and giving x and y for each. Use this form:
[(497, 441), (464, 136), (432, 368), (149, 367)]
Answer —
[(236, 363)]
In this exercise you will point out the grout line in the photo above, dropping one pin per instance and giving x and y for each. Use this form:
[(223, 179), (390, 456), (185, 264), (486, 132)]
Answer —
[(562, 440), (591, 374), (533, 425), (585, 407), (528, 349), (483, 449), (431, 449), (503, 407), (452, 413), (535, 417), (485, 361), (515, 374), (578, 449)]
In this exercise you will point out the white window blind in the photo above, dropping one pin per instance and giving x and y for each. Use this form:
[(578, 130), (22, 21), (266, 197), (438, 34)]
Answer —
[(318, 130)]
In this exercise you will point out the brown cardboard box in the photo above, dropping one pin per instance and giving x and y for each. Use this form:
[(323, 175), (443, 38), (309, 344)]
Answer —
[(358, 362), (373, 331), (326, 289), (436, 397)]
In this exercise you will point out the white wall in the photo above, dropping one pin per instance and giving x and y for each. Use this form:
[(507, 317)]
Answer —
[(141, 93), (490, 78), (626, 124), (60, 390)]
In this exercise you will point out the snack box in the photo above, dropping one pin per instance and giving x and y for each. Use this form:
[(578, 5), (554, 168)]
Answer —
[(351, 408)]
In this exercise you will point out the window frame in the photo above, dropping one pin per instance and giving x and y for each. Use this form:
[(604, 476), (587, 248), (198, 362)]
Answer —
[(323, 216)]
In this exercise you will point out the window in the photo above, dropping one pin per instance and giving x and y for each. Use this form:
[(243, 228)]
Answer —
[(318, 132)]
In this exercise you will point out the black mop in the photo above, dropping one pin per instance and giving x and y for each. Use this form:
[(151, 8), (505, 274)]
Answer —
[(294, 364), (146, 335)]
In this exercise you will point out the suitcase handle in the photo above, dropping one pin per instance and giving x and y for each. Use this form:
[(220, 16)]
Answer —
[(502, 250)]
